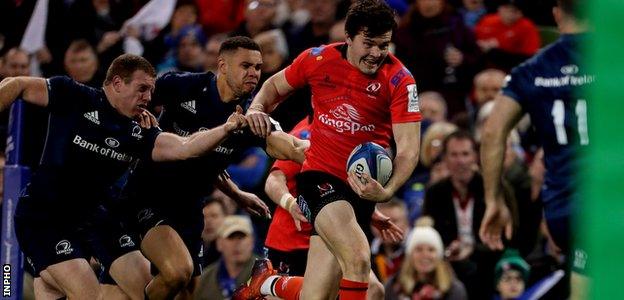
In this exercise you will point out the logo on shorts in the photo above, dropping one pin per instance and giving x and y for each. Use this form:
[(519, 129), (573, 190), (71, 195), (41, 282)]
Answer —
[(325, 189), (126, 241), (201, 251), (64, 247), (144, 215)]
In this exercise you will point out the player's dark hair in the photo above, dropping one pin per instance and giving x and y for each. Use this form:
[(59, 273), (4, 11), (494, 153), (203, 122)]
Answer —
[(459, 135), (233, 43), (571, 8), (372, 17), (125, 65)]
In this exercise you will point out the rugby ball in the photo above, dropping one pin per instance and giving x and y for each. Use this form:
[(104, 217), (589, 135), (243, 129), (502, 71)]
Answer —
[(372, 159)]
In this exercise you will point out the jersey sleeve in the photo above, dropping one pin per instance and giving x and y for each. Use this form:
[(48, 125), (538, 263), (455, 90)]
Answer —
[(64, 93), (288, 167), (148, 141), (515, 85), (404, 105), (296, 73)]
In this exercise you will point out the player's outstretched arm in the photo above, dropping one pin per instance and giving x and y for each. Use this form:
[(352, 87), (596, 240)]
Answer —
[(281, 145), (32, 89), (277, 190), (272, 92), (495, 132), (170, 147), (247, 201)]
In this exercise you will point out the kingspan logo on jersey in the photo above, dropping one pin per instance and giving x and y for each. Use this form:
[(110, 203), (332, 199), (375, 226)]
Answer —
[(345, 118), (126, 241), (64, 247)]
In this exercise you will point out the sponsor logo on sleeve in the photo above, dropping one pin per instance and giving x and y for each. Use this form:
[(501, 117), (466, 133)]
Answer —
[(412, 99), (64, 247)]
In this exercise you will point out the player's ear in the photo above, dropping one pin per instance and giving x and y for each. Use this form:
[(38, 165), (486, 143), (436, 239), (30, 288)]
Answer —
[(222, 64), (117, 82), (349, 40)]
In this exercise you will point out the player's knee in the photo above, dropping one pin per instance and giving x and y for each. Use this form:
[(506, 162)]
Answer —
[(375, 291), (177, 276), (357, 262)]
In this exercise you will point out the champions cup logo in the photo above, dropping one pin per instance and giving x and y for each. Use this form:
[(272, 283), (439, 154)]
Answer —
[(343, 118)]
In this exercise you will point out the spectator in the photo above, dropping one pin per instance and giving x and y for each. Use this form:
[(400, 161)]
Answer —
[(457, 207), (472, 11), (439, 50), (337, 33), (220, 16), (424, 274), (387, 254), (432, 141), (259, 17), (15, 62), (316, 31), (274, 52), (211, 52), (214, 213), (235, 242), (511, 275), (507, 37), (487, 84), (188, 52), (433, 106), (81, 64)]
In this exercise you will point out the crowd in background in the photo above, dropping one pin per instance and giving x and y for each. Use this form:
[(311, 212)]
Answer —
[(459, 53)]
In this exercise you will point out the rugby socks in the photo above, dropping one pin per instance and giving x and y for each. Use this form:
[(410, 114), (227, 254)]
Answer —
[(285, 287), (352, 290)]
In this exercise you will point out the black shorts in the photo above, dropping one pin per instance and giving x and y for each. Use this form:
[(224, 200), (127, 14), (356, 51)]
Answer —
[(292, 263), (317, 189), (185, 218), (51, 238)]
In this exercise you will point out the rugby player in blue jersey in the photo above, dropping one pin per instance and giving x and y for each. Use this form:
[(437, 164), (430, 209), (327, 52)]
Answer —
[(549, 88), (167, 198), (93, 136)]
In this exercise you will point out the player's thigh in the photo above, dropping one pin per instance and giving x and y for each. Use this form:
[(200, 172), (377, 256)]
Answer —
[(75, 278), (46, 291), (579, 286), (337, 225), (323, 274), (164, 247), (131, 273)]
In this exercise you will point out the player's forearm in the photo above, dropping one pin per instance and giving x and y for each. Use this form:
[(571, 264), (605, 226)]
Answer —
[(403, 166), (201, 142), (228, 187), (10, 89), (269, 95), (492, 156), (281, 145), (275, 186)]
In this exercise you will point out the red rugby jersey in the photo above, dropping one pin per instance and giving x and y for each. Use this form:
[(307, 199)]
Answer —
[(351, 107), (283, 234)]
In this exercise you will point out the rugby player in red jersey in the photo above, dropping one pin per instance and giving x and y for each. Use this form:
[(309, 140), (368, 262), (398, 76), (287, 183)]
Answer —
[(360, 93)]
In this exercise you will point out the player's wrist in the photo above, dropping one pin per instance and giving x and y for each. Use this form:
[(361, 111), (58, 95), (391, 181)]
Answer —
[(256, 107), (286, 201)]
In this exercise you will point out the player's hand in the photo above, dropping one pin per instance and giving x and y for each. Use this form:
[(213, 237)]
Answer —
[(296, 213), (259, 122), (496, 219), (147, 120), (252, 204), (236, 120), (389, 231), (368, 188)]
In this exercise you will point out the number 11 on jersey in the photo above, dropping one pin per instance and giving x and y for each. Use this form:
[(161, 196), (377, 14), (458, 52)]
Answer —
[(558, 113)]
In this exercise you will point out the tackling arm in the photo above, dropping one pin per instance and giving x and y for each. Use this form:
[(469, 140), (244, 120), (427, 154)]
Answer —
[(33, 90)]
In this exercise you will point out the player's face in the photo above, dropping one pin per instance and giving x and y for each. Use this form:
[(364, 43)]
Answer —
[(242, 71), (425, 258), (461, 159), (136, 94), (368, 53)]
